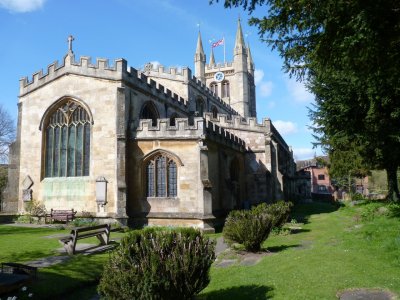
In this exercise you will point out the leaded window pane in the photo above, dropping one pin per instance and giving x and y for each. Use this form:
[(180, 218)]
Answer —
[(172, 179), (71, 151), (86, 150), (67, 139), (150, 180), (56, 158), (49, 152), (161, 177), (63, 158), (79, 150)]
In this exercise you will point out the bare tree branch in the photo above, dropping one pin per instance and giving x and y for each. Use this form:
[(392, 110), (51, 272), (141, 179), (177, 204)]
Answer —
[(7, 133)]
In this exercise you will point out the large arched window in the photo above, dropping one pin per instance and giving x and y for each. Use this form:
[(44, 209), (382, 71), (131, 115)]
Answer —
[(225, 89), (214, 88), (149, 111), (67, 141), (161, 177)]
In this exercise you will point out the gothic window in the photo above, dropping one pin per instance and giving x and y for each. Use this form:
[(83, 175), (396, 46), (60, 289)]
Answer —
[(161, 177), (149, 111), (225, 89), (214, 88), (214, 111), (200, 106), (67, 142)]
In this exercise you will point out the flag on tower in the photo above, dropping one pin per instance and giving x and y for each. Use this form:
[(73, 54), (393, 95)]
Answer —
[(218, 43)]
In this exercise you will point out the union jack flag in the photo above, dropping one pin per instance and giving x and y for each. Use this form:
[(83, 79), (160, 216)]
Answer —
[(218, 43)]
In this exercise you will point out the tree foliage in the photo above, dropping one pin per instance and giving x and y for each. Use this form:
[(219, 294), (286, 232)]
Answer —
[(348, 54), (7, 133)]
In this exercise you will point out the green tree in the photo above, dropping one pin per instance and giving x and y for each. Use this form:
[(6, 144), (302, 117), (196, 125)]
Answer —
[(348, 55)]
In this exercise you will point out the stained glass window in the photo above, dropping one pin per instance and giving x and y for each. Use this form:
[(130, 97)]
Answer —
[(161, 177), (67, 140)]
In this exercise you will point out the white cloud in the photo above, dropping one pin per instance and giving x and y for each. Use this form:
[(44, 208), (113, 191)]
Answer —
[(303, 153), (298, 91), (266, 88), (258, 76), (22, 6), (285, 127)]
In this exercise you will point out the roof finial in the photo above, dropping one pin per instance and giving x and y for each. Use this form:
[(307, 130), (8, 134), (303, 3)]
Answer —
[(70, 39)]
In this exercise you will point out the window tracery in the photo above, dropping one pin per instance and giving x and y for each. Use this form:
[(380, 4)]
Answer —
[(67, 141), (161, 177)]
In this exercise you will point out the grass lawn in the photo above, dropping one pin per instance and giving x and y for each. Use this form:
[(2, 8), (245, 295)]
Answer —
[(336, 249)]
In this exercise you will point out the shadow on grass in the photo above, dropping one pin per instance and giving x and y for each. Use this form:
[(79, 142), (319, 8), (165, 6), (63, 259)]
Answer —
[(28, 255), (280, 248), (254, 292), (302, 211)]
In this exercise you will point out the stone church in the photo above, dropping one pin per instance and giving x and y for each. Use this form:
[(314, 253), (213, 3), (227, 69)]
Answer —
[(158, 146)]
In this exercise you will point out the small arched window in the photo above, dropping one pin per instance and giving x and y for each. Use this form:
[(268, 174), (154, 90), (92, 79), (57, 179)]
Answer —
[(214, 88), (67, 141), (161, 177), (225, 89), (149, 111)]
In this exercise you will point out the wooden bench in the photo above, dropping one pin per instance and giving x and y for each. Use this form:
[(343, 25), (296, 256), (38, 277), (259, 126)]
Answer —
[(102, 232), (62, 215)]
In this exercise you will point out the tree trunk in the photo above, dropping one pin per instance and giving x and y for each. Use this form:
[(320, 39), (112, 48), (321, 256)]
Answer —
[(393, 188)]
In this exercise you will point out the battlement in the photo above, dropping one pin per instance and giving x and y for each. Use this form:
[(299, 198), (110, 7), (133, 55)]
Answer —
[(173, 73), (102, 68), (219, 66), (117, 71), (249, 125), (184, 75), (200, 129)]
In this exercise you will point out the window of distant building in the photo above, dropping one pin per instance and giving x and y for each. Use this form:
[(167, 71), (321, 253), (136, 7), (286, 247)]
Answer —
[(225, 89), (161, 176), (67, 140), (214, 88), (321, 177)]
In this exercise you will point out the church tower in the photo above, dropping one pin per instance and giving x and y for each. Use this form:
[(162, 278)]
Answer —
[(199, 61), (233, 81)]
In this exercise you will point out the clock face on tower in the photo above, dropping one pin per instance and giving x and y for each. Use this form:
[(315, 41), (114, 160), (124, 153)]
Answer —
[(219, 76)]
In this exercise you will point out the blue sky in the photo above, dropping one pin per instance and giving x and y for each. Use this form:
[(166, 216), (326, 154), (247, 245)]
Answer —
[(34, 34)]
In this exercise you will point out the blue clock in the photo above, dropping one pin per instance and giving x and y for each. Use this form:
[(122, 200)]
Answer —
[(219, 76)]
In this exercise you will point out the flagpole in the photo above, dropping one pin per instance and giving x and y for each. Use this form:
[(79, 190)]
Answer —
[(224, 49)]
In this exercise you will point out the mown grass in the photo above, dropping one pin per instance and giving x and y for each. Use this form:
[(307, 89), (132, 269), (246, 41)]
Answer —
[(336, 249)]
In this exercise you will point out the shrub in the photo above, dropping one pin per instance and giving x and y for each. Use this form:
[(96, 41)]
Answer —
[(279, 212), (158, 264), (35, 209), (248, 227)]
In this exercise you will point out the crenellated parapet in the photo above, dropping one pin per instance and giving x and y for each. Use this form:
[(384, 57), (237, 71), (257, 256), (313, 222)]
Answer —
[(219, 66), (182, 130), (102, 69), (184, 75), (248, 125)]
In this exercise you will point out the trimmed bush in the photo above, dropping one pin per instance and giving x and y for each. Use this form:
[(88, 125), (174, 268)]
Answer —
[(252, 227), (158, 264), (248, 227), (279, 212)]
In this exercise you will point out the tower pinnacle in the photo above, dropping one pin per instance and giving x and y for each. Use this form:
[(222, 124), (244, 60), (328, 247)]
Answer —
[(239, 41)]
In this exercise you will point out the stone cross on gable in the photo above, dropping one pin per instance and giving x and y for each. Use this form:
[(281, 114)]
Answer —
[(70, 39)]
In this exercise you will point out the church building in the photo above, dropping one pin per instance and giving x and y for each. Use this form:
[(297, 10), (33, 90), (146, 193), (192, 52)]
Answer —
[(158, 146)]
